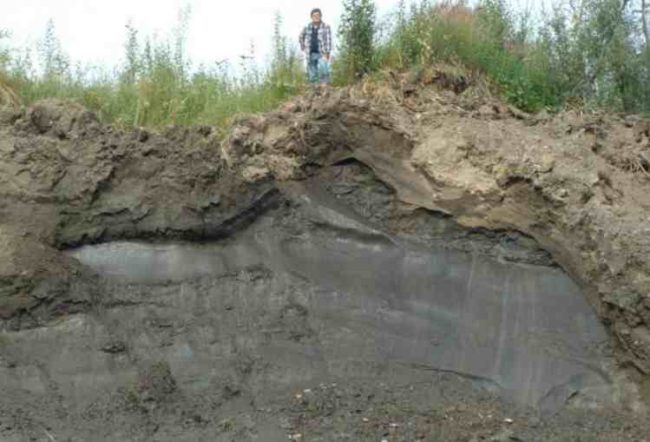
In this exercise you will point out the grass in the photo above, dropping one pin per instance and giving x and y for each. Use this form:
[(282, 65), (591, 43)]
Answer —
[(157, 85), (597, 58), (162, 96)]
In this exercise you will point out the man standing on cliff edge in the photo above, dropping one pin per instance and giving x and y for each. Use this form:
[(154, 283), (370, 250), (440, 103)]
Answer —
[(316, 43)]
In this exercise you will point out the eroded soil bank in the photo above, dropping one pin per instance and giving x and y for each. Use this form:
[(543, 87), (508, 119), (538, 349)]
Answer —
[(367, 264)]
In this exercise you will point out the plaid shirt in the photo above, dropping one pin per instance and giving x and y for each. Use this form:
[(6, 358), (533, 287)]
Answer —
[(324, 38)]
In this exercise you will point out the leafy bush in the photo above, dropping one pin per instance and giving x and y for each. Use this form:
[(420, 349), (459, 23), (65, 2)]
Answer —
[(587, 51), (595, 54), (484, 39), (357, 35)]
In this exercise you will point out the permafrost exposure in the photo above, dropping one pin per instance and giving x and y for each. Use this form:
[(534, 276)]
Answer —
[(418, 266)]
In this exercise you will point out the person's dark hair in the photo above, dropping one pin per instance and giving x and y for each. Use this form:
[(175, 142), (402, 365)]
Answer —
[(314, 11)]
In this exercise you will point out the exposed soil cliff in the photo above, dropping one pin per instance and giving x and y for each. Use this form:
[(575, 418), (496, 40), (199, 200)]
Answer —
[(578, 184), (424, 161)]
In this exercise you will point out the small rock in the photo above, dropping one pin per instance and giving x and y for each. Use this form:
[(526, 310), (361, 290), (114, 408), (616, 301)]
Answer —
[(546, 165), (115, 347), (409, 88), (142, 135), (508, 420), (213, 201), (543, 116), (148, 149), (517, 113), (486, 110), (230, 391), (631, 120)]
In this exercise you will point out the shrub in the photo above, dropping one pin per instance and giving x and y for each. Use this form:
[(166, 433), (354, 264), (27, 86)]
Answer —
[(591, 52), (357, 36)]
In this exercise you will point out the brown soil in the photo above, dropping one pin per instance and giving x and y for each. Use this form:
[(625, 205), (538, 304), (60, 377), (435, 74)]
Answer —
[(577, 183)]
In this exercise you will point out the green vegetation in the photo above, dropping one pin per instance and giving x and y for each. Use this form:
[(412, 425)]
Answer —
[(585, 52), (591, 53), (357, 34), (157, 85)]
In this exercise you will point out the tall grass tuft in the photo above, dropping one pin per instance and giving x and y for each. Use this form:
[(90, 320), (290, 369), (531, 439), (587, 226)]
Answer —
[(157, 84)]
